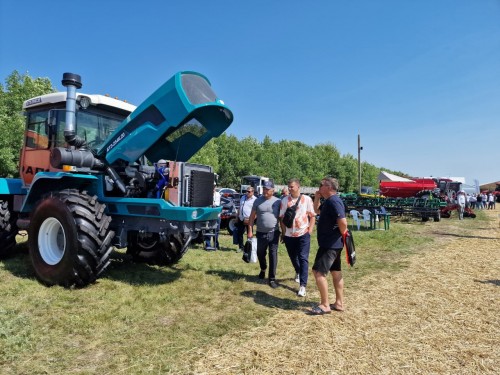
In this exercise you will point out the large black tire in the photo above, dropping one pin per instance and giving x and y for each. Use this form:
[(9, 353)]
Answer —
[(69, 239), (437, 216), (8, 229), (149, 249)]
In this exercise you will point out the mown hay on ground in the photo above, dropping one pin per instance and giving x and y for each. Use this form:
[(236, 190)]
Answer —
[(438, 316)]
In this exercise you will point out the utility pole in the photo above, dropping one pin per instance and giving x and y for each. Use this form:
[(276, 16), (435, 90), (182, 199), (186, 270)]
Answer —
[(359, 164)]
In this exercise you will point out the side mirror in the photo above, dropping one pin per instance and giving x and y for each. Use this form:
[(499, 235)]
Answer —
[(50, 124)]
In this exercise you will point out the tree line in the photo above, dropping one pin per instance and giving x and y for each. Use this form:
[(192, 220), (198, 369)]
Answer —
[(231, 157)]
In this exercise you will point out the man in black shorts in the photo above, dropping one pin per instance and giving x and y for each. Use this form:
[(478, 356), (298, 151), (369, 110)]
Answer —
[(331, 225)]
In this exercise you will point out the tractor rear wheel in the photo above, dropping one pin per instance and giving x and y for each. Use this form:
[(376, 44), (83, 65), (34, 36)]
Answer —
[(148, 248), (69, 239), (8, 229)]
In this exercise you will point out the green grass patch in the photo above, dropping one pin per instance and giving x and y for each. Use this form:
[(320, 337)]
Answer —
[(138, 318)]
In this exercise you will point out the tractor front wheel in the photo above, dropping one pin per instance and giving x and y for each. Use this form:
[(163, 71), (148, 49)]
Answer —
[(69, 239)]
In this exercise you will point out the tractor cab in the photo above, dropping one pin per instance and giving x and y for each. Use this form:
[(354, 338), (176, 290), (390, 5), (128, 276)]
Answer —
[(97, 116)]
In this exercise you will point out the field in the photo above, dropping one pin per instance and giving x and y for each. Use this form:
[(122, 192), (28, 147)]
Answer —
[(422, 299)]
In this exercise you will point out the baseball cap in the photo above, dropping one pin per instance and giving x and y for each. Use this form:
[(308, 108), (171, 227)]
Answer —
[(268, 185)]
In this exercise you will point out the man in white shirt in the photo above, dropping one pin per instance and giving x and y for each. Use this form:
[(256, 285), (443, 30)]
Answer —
[(461, 201), (244, 211), (208, 245)]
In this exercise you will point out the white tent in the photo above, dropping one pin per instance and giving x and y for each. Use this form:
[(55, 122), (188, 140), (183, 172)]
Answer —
[(386, 176)]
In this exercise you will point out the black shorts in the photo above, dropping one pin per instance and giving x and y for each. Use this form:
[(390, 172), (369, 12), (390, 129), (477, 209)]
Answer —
[(327, 260)]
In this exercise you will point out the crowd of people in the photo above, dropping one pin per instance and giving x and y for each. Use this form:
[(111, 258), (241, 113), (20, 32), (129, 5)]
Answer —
[(482, 201), (263, 218)]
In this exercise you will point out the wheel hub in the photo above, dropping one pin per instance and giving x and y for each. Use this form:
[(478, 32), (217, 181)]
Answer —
[(51, 241)]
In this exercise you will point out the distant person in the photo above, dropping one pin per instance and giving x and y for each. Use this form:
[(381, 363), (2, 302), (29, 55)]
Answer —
[(491, 201), (284, 192), (244, 211), (297, 238), (332, 225), (479, 201), (462, 202), (266, 210), (472, 201), (485, 200), (208, 239)]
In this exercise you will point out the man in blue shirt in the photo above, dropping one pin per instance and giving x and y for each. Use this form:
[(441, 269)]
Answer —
[(332, 225)]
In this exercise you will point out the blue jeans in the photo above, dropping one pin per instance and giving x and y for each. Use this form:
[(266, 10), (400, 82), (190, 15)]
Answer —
[(264, 241), (298, 250)]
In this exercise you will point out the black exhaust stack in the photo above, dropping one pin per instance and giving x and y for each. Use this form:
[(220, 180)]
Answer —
[(72, 82)]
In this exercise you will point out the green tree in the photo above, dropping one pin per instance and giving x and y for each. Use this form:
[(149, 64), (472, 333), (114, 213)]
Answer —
[(17, 89)]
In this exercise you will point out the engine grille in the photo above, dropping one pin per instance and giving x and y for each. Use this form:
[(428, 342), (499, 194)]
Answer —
[(201, 189)]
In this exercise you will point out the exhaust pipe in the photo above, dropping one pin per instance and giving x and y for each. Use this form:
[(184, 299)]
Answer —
[(72, 82), (79, 157)]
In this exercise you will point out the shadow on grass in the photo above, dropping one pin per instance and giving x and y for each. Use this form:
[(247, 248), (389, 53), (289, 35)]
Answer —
[(260, 297), (18, 262), (269, 300), (232, 276), (465, 236), (494, 282), (123, 269)]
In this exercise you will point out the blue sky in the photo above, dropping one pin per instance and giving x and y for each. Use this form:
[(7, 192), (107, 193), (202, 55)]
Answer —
[(419, 80)]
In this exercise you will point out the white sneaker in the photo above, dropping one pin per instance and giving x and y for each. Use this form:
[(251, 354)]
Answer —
[(302, 291), (297, 278)]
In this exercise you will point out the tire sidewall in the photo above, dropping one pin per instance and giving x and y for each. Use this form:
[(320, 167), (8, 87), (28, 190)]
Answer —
[(62, 271)]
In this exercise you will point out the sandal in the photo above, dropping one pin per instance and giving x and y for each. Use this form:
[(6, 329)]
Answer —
[(335, 308), (318, 311)]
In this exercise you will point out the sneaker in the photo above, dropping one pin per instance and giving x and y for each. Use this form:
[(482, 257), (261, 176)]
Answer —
[(297, 278), (262, 275), (302, 291), (273, 284)]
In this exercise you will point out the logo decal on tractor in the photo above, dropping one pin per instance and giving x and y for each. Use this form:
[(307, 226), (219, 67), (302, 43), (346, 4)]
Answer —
[(33, 101), (115, 142)]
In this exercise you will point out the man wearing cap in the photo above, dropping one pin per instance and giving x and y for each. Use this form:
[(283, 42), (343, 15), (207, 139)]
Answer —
[(266, 210)]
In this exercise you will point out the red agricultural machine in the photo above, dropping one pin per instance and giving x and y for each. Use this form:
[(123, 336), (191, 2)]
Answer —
[(443, 189)]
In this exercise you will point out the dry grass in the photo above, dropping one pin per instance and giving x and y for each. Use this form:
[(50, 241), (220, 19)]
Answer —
[(438, 316)]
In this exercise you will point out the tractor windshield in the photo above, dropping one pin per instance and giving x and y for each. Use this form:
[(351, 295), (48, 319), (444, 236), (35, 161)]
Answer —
[(93, 125)]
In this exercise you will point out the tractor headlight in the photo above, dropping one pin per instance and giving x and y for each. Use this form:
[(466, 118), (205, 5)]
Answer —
[(84, 102)]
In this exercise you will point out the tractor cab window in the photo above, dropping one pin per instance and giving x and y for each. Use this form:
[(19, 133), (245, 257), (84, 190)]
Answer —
[(92, 125), (96, 126), (37, 136)]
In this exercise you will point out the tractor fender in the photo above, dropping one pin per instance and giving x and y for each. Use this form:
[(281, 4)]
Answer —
[(45, 182), (10, 186)]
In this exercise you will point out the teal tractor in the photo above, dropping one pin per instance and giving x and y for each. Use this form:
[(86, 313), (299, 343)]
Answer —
[(98, 173)]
